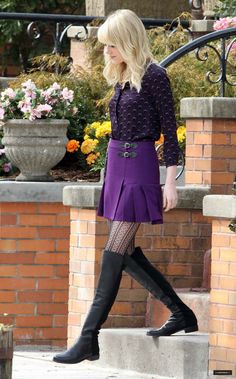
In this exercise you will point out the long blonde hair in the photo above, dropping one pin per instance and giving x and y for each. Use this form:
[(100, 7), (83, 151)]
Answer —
[(126, 32)]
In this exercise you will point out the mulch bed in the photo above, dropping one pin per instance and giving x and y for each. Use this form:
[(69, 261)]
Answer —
[(67, 175)]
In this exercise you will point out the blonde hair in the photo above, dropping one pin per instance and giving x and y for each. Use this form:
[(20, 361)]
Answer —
[(126, 32)]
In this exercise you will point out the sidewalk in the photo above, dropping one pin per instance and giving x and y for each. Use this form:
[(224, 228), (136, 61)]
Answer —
[(39, 365)]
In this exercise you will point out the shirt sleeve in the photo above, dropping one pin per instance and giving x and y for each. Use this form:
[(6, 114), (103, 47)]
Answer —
[(161, 90)]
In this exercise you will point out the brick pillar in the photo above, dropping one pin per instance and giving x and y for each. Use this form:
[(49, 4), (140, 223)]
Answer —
[(222, 353), (210, 140)]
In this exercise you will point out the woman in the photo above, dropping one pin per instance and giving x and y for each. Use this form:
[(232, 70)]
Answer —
[(141, 108)]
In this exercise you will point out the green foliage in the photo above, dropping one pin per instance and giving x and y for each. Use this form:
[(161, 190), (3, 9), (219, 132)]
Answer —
[(188, 74), (226, 8), (13, 33)]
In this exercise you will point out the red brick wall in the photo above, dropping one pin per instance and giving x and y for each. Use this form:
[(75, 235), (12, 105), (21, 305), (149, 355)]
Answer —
[(211, 154), (34, 244), (223, 299)]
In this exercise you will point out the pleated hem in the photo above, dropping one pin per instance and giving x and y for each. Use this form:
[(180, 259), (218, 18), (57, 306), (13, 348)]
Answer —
[(132, 203)]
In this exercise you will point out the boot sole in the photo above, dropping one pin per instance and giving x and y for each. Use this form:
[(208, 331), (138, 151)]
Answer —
[(73, 361), (189, 329)]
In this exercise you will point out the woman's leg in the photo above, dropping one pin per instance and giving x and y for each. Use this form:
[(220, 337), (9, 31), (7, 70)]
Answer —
[(86, 347), (182, 318)]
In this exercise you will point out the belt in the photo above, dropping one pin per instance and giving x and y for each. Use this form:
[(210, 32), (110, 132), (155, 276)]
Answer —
[(128, 145), (127, 154)]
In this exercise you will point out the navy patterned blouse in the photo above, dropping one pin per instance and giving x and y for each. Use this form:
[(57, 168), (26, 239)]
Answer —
[(143, 116)]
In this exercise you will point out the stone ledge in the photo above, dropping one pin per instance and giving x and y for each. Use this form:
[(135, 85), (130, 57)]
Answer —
[(208, 107), (88, 196), (31, 192), (222, 206), (165, 357), (82, 194)]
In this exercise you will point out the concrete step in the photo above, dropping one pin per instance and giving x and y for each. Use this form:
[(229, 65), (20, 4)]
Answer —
[(198, 301), (180, 356)]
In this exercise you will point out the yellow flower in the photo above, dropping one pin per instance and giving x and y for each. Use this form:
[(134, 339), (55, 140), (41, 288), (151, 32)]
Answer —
[(86, 136), (72, 146), (103, 129), (86, 129), (181, 133), (95, 125), (88, 145), (91, 158)]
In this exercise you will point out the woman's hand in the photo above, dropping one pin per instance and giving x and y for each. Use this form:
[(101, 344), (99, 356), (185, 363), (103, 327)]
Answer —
[(170, 196)]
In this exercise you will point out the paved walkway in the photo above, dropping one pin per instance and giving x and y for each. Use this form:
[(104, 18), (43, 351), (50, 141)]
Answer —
[(39, 365)]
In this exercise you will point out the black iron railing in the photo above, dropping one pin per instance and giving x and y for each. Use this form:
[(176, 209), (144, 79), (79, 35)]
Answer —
[(222, 51), (61, 23)]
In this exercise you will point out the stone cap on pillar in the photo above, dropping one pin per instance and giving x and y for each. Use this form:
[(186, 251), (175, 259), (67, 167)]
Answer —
[(202, 26), (220, 206), (208, 107)]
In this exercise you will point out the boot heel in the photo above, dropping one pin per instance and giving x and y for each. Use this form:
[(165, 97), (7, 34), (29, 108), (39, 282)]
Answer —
[(191, 329), (93, 358)]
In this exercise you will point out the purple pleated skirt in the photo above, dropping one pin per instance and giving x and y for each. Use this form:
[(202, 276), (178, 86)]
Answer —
[(131, 189)]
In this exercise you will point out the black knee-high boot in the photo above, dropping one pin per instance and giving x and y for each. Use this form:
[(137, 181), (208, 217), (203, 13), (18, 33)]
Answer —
[(86, 347), (182, 318)]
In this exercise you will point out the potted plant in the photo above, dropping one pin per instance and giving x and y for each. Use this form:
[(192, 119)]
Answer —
[(35, 127)]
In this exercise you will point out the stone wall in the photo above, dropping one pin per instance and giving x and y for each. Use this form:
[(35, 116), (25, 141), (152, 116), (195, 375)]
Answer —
[(148, 8)]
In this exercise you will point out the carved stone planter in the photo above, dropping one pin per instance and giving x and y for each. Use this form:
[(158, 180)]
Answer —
[(6, 352), (35, 146)]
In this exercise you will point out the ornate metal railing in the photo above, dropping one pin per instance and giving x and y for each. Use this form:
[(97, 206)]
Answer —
[(222, 51), (56, 25)]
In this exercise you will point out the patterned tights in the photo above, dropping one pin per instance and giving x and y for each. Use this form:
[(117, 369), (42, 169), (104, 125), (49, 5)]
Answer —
[(122, 237)]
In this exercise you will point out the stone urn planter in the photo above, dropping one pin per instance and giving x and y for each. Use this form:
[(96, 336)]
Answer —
[(6, 351), (35, 146)]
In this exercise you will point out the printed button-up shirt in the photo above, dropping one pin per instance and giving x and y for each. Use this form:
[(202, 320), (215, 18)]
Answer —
[(144, 115)]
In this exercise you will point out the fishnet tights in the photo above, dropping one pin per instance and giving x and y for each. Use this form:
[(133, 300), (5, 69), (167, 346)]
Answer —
[(122, 237)]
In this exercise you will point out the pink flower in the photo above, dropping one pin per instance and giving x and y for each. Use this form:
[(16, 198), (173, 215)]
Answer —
[(2, 113), (30, 94), (25, 106), (7, 167), (10, 93), (67, 94), (29, 85), (35, 113), (224, 23), (56, 86), (44, 108)]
